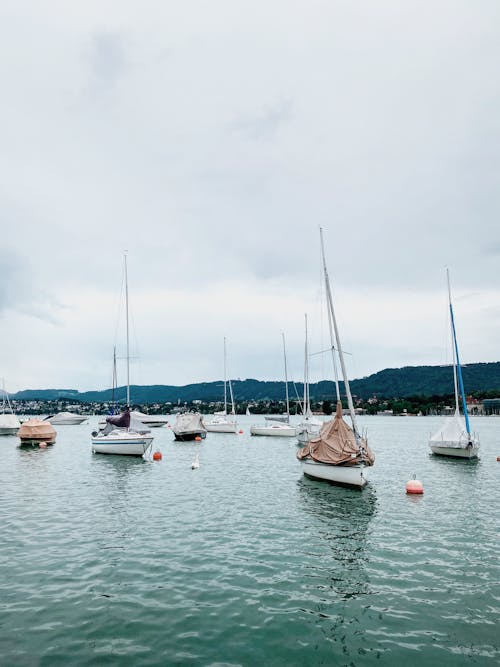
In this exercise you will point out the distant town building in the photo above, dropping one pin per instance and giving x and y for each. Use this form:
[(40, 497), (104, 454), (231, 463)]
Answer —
[(491, 406)]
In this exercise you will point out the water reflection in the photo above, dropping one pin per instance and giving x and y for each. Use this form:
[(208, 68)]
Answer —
[(341, 518)]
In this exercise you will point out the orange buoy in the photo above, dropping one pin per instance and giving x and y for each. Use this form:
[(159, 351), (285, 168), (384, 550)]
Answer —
[(157, 455), (42, 445), (198, 438), (414, 486), (240, 431)]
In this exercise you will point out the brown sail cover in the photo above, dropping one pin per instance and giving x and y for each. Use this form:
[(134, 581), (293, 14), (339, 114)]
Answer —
[(337, 444), (37, 429)]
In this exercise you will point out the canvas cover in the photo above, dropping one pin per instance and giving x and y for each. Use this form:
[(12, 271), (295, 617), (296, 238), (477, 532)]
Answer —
[(452, 433), (337, 445), (36, 429), (188, 422)]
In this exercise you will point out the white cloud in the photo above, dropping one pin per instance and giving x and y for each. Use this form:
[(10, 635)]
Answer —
[(211, 141)]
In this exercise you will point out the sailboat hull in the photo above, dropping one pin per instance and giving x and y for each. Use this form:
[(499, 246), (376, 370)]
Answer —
[(455, 452), (132, 446), (226, 427), (353, 476), (280, 431)]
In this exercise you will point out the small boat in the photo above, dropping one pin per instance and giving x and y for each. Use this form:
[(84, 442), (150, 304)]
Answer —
[(339, 454), (274, 428), (34, 431), (277, 426), (153, 421), (309, 427), (9, 423), (189, 426), (454, 438), (221, 422), (123, 434), (66, 418)]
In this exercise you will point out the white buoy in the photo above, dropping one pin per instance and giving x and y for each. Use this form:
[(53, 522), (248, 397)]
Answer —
[(196, 463)]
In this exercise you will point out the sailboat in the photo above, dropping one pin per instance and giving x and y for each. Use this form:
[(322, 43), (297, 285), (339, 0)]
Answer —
[(9, 423), (136, 438), (277, 426), (454, 438), (339, 454), (309, 427), (221, 423)]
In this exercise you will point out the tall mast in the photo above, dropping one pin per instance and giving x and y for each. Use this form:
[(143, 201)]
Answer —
[(307, 400), (329, 314), (458, 370), (337, 338), (225, 379), (452, 342), (114, 380), (128, 340), (286, 377), (304, 409)]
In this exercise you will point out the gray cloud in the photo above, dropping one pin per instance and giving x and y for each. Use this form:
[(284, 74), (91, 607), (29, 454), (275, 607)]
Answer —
[(263, 126)]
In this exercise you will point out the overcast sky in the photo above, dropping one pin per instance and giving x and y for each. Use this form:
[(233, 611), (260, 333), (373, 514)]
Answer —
[(210, 140)]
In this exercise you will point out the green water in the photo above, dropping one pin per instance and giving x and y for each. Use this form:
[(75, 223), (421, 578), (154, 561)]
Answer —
[(109, 560)]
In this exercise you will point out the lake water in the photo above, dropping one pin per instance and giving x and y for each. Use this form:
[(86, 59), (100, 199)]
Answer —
[(110, 560)]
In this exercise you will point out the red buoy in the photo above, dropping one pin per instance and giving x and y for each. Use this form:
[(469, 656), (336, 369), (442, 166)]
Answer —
[(498, 458), (240, 431), (414, 486), (198, 438), (157, 455)]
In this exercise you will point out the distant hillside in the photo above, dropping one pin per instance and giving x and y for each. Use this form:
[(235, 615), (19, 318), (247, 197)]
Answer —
[(389, 383)]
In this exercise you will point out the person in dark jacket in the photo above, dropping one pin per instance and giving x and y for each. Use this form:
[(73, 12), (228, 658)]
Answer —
[(122, 421)]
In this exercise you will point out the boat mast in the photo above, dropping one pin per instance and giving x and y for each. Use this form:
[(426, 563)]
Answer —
[(114, 380), (128, 339), (329, 312), (456, 367), (286, 378), (337, 339), (225, 379), (307, 406)]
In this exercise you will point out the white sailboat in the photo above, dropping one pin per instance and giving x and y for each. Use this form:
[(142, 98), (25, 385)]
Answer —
[(221, 422), (279, 426), (309, 427), (454, 438), (134, 439), (9, 423), (339, 454)]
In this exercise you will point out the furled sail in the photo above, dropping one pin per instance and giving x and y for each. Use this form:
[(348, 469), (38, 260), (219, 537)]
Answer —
[(337, 444)]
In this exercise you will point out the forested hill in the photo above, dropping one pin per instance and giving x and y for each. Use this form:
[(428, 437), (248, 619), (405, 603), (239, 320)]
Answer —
[(389, 383)]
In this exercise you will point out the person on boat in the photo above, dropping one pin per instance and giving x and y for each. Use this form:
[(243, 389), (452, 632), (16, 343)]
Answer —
[(117, 421)]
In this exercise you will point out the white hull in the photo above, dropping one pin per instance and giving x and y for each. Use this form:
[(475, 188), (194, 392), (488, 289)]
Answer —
[(70, 421), (278, 430), (9, 430), (457, 452), (227, 427), (345, 475), (129, 446)]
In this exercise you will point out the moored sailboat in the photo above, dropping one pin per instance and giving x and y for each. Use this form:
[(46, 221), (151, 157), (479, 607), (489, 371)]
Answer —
[(339, 454), (309, 427), (221, 421), (123, 435), (277, 426), (454, 438), (9, 423)]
